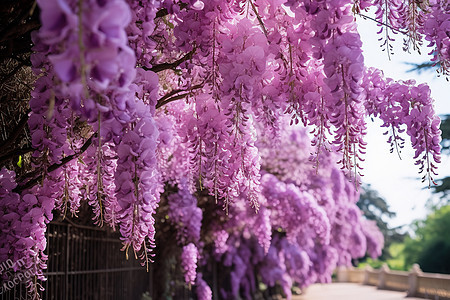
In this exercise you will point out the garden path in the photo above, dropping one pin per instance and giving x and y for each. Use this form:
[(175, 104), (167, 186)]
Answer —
[(350, 291)]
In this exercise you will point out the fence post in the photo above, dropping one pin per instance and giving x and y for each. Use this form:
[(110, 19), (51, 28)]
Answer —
[(66, 271), (382, 276), (342, 274), (413, 281), (366, 274)]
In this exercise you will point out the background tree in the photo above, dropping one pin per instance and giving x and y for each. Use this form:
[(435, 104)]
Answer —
[(430, 246), (443, 187)]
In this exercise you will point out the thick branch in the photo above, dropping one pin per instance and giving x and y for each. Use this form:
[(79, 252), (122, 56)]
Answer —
[(54, 167), (172, 65), (170, 94), (168, 97), (171, 99)]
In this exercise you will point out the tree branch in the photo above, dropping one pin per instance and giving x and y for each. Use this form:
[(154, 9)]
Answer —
[(261, 23), (172, 65), (168, 97), (384, 24), (53, 167)]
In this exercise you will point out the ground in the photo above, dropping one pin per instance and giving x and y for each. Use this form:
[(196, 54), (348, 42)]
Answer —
[(349, 291)]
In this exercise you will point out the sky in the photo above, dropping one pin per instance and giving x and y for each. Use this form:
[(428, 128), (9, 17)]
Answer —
[(397, 180)]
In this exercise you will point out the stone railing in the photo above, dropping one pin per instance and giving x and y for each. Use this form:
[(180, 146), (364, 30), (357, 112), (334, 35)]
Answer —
[(415, 282)]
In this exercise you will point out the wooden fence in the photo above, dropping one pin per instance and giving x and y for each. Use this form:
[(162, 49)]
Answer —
[(414, 283)]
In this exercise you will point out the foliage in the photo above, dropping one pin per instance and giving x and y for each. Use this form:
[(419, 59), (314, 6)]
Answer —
[(430, 247), (445, 128), (396, 260), (420, 67), (150, 110)]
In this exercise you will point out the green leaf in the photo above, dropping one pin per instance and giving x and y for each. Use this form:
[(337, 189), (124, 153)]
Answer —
[(19, 163), (80, 160)]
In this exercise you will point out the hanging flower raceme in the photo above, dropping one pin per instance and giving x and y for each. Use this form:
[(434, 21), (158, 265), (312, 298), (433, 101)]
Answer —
[(99, 165), (203, 290), (185, 215), (405, 106), (141, 28), (273, 270), (389, 12), (137, 188), (189, 257), (435, 29), (343, 68), (24, 223)]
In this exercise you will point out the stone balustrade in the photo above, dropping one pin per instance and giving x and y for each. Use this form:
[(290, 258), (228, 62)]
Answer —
[(414, 283)]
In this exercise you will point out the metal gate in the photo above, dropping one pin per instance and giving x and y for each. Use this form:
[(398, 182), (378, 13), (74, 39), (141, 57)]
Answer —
[(86, 263)]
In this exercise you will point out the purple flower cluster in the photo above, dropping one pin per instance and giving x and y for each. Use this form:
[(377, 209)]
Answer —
[(399, 103), (343, 66), (141, 28), (137, 189), (203, 290), (108, 77), (24, 220), (315, 223), (98, 183), (435, 29), (89, 74), (189, 257), (419, 21), (90, 46), (185, 215), (299, 208)]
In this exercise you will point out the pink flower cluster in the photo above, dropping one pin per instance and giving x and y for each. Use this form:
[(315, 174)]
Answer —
[(419, 21), (137, 189), (132, 96), (24, 220), (405, 106), (315, 223), (203, 290), (189, 257), (185, 215), (435, 29)]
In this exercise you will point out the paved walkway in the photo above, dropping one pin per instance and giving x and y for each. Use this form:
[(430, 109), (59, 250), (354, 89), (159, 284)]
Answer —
[(349, 291)]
